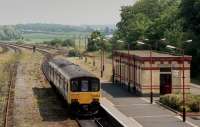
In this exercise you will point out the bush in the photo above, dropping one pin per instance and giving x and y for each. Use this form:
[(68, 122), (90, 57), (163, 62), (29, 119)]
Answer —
[(175, 102), (59, 42), (68, 43), (73, 53), (19, 42), (194, 103), (171, 100)]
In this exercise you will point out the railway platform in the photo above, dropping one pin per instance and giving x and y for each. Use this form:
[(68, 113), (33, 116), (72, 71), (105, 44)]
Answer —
[(136, 111)]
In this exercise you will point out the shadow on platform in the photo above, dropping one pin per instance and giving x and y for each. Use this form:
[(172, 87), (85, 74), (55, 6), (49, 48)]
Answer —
[(116, 90), (51, 106)]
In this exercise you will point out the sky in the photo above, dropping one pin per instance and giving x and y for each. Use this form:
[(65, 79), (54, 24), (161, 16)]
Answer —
[(68, 12)]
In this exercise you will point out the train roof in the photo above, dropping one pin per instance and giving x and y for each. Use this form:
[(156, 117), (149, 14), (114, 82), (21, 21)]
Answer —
[(69, 69)]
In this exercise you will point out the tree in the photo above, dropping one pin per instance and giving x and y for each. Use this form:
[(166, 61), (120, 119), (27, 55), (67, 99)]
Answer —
[(9, 33), (175, 20), (153, 19), (94, 41), (68, 43), (190, 11)]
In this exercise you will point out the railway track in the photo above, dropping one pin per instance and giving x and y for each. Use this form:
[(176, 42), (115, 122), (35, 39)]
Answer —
[(8, 112), (103, 119), (49, 96), (93, 122), (10, 99), (86, 123), (4, 49)]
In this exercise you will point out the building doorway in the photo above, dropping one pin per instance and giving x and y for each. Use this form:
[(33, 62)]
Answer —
[(165, 81)]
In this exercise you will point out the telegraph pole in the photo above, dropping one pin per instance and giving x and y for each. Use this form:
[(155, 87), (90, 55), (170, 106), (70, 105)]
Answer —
[(79, 46)]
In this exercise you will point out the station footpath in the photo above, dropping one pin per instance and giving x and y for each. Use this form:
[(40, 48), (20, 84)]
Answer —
[(136, 111)]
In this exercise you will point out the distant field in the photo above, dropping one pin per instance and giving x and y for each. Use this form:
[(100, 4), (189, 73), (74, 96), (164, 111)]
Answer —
[(40, 37)]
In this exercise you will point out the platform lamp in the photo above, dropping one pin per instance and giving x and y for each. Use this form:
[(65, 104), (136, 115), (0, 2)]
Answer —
[(102, 57), (86, 40), (129, 76), (151, 86), (79, 46), (129, 69), (163, 39), (104, 40), (101, 51), (113, 68), (183, 66), (120, 41)]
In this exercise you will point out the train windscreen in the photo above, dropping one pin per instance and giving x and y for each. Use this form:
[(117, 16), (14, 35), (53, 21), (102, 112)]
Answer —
[(85, 85), (95, 85)]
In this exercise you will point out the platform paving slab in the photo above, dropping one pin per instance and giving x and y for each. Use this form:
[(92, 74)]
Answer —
[(139, 109)]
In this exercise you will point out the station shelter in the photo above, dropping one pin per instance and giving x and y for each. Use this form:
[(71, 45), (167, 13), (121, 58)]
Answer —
[(136, 70)]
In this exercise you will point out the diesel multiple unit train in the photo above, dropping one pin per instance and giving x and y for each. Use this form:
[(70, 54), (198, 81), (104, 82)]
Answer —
[(78, 87)]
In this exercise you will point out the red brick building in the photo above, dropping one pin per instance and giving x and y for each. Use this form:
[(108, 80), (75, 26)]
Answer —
[(133, 70)]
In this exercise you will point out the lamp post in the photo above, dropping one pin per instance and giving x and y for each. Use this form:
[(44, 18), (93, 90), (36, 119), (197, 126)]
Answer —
[(129, 73), (150, 52), (104, 40), (129, 69), (113, 67), (101, 63), (183, 75), (86, 39), (79, 46), (102, 56)]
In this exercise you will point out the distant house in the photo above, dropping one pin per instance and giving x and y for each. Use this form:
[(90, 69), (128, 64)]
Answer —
[(133, 70)]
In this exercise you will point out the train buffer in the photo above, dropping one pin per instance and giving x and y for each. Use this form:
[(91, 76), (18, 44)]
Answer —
[(117, 115)]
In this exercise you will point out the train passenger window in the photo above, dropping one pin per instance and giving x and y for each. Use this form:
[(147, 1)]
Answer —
[(60, 81), (74, 86), (66, 85), (84, 85), (95, 85)]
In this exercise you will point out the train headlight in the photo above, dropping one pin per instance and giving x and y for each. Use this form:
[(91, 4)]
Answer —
[(95, 100), (74, 100)]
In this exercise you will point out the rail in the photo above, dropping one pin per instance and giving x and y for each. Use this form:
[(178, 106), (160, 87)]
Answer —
[(8, 112), (86, 123), (99, 124), (4, 49)]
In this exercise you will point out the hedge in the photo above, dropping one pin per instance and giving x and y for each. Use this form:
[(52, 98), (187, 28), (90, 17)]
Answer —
[(175, 101)]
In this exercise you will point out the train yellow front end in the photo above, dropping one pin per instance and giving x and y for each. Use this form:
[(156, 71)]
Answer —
[(85, 95), (85, 98)]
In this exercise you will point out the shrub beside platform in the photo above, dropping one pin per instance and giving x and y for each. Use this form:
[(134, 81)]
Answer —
[(175, 101)]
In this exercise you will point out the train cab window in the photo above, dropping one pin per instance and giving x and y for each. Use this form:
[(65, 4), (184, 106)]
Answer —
[(74, 86), (84, 85), (95, 85)]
